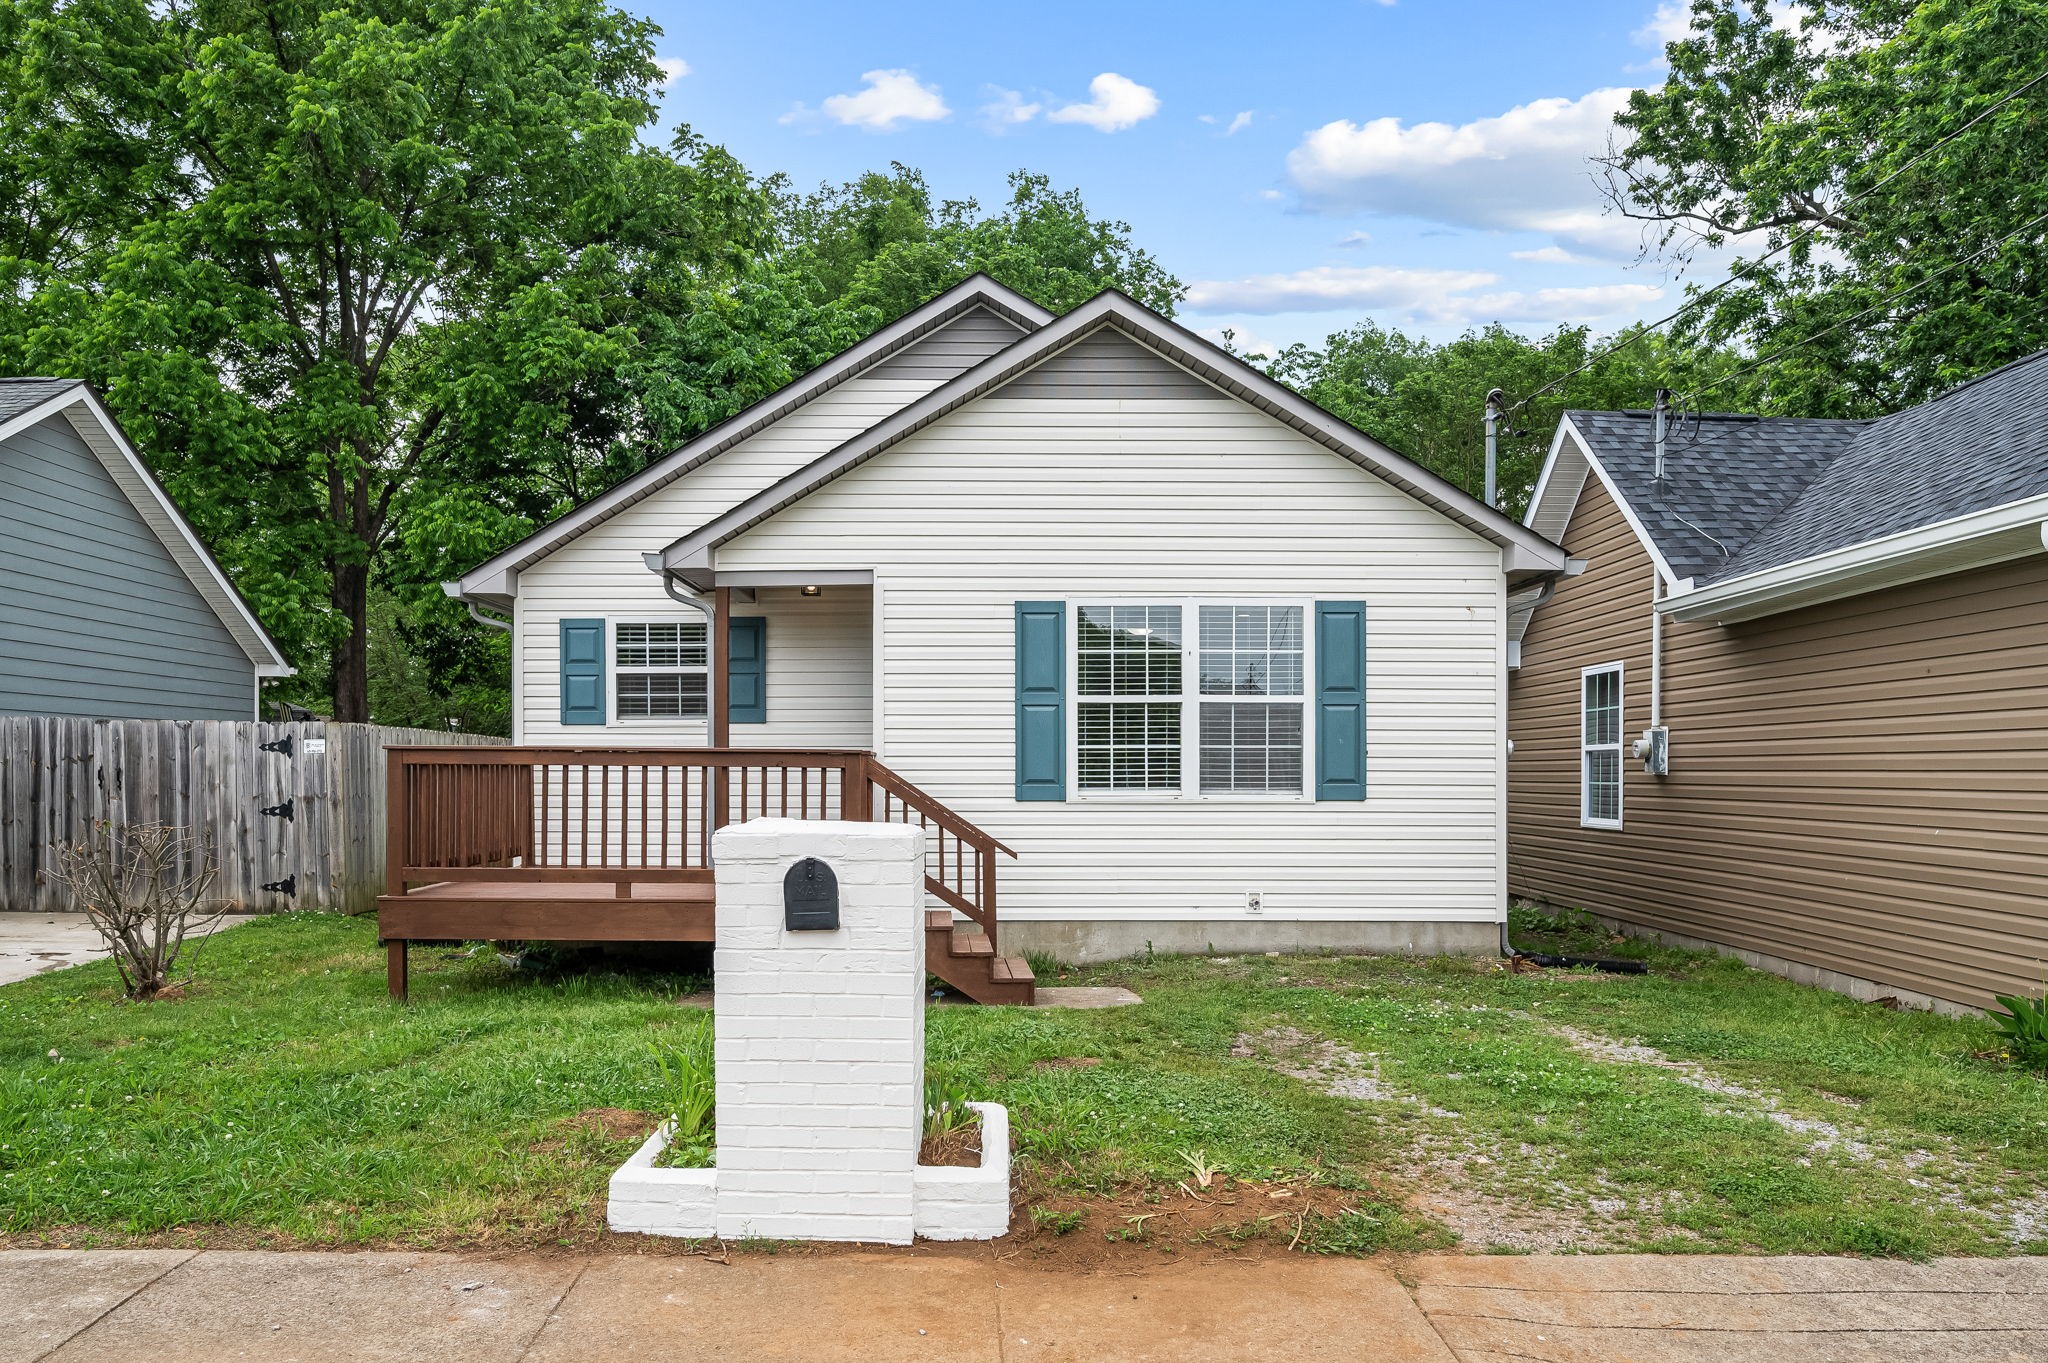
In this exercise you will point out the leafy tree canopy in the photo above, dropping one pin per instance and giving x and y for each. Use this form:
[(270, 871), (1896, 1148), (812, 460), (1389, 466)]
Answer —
[(1903, 263), (1427, 400)]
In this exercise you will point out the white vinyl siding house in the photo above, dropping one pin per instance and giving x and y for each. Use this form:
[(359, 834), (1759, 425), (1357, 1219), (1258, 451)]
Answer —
[(1130, 493), (1179, 499)]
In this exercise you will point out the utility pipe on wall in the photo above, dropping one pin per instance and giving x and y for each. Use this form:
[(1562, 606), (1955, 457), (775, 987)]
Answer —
[(1495, 402)]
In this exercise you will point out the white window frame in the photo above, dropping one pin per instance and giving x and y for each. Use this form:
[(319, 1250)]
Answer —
[(1190, 699), (1619, 747), (613, 671)]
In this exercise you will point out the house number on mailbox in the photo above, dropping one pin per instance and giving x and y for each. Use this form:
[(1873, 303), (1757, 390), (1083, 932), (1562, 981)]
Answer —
[(810, 897)]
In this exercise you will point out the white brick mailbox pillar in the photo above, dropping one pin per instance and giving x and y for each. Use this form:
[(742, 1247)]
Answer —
[(820, 1035)]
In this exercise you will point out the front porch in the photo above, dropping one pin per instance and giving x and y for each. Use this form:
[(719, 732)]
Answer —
[(614, 845)]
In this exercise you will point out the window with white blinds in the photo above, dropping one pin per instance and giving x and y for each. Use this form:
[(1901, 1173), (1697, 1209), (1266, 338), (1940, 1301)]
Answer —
[(661, 669)]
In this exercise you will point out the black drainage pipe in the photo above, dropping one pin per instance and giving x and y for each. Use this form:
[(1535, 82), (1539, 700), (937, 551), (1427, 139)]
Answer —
[(1612, 967)]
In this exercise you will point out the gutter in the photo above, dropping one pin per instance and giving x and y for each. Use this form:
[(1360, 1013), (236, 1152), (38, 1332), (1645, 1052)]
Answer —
[(1974, 540)]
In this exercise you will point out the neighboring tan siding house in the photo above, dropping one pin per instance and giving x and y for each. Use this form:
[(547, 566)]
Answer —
[(1031, 541), (110, 608), (1854, 681)]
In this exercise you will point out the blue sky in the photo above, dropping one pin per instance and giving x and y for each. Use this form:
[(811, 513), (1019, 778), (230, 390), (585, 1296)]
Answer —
[(1301, 166)]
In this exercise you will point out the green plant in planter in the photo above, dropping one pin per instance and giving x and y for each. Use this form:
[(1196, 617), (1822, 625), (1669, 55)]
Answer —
[(689, 1092), (2023, 1024), (945, 1102)]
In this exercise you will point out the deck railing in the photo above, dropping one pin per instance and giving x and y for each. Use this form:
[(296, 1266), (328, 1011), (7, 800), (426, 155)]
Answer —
[(647, 814)]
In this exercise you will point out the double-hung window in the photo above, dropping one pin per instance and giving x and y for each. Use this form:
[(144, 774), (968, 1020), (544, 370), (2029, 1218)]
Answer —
[(1600, 746), (1191, 699), (662, 669)]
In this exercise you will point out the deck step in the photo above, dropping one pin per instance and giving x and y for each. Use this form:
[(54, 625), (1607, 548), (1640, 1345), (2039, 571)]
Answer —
[(1012, 970), (970, 943), (938, 920)]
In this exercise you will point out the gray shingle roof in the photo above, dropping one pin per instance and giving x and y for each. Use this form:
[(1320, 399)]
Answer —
[(20, 395), (1775, 490), (1725, 477)]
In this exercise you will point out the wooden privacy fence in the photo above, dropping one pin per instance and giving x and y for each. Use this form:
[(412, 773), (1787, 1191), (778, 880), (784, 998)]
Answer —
[(295, 812)]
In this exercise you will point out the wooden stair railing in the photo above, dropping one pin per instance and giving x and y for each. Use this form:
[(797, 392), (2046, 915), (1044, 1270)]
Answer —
[(645, 816)]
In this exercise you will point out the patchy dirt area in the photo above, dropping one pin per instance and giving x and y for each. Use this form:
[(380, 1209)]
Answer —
[(1446, 1174), (1943, 1173), (1337, 1070)]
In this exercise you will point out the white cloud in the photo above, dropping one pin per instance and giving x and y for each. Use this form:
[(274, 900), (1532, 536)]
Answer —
[(1271, 196), (1239, 121), (1351, 240), (1115, 103), (1546, 255), (1448, 298), (1008, 108), (673, 69), (890, 98), (1671, 22), (1327, 287), (1517, 171)]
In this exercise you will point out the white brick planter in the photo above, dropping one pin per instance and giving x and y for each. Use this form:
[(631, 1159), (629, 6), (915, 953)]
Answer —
[(662, 1201), (948, 1203), (968, 1204), (819, 1052)]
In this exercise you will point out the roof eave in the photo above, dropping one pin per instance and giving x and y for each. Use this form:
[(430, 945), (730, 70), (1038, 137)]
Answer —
[(498, 576), (1527, 553), (1979, 539)]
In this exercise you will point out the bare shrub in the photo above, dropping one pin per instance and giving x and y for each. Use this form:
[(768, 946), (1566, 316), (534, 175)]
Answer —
[(145, 889)]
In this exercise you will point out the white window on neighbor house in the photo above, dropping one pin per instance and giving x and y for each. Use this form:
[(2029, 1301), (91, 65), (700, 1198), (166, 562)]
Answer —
[(1220, 713), (660, 669), (1600, 746)]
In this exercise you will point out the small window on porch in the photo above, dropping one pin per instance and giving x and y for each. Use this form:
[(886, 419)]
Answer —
[(662, 669)]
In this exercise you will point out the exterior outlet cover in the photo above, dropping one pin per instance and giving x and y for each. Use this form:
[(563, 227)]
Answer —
[(1251, 901)]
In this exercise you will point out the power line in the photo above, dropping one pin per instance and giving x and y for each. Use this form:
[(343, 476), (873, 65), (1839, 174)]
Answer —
[(1805, 234), (1771, 357)]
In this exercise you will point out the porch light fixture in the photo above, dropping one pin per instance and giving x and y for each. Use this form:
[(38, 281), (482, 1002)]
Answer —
[(811, 591)]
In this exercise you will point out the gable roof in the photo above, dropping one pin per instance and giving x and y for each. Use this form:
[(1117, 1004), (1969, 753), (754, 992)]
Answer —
[(1725, 476), (27, 402), (1786, 511), (1528, 552), (490, 580), (1981, 445)]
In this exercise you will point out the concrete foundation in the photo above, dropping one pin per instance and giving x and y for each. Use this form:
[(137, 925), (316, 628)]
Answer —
[(1082, 940)]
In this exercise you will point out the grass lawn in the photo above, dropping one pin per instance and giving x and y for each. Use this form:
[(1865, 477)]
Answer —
[(1337, 1104)]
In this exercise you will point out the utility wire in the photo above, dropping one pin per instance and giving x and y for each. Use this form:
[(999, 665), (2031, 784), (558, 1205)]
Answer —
[(1772, 357), (1803, 235)]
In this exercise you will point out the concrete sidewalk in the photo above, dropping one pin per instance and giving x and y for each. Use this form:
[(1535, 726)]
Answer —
[(31, 943), (169, 1306)]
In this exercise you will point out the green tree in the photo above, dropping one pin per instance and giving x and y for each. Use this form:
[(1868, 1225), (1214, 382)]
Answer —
[(1428, 400), (366, 277), (1903, 263), (880, 243)]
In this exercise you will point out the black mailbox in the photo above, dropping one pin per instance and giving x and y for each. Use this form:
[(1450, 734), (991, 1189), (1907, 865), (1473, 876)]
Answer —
[(810, 897)]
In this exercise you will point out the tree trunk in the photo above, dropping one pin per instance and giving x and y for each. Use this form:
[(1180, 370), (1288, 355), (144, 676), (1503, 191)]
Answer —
[(351, 599)]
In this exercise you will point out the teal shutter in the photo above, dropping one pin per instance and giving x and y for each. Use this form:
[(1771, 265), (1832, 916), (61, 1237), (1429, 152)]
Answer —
[(582, 671), (746, 670), (1340, 700), (1041, 700)]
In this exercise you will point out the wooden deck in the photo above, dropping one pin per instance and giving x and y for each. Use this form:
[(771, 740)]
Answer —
[(604, 845)]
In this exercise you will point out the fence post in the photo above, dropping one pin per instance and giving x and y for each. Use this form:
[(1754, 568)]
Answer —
[(855, 790)]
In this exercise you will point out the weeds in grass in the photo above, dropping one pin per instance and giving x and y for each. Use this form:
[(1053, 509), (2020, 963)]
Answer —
[(1369, 1228), (1059, 1223), (1198, 1162), (2023, 1024)]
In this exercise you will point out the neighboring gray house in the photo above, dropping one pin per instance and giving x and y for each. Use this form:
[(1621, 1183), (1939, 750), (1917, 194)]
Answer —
[(110, 607)]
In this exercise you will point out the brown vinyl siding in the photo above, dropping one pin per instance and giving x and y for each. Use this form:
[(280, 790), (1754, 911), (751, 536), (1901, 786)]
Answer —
[(1857, 786)]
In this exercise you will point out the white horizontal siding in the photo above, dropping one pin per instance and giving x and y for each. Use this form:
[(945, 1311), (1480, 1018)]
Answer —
[(600, 573), (1058, 496)]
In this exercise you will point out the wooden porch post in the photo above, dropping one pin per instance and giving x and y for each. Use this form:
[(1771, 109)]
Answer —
[(397, 856), (720, 727)]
